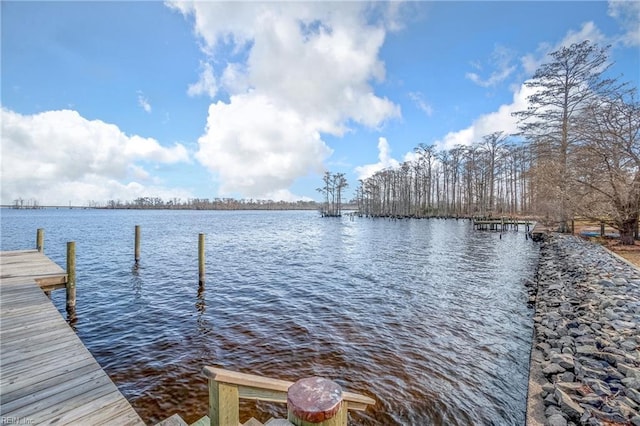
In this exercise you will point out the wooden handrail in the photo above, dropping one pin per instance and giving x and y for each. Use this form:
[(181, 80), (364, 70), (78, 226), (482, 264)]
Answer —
[(274, 390), (227, 387)]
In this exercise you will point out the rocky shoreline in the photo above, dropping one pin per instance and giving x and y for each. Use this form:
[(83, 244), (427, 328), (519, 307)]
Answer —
[(585, 358)]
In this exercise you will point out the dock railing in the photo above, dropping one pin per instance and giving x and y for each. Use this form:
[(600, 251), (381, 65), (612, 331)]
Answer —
[(226, 388)]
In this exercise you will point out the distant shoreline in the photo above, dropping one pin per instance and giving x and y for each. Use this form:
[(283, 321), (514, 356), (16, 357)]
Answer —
[(270, 207)]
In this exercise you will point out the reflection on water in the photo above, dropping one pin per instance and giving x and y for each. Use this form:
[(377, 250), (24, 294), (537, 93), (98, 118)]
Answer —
[(426, 316)]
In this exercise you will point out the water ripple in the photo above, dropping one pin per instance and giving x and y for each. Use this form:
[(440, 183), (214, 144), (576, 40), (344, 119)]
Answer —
[(426, 316)]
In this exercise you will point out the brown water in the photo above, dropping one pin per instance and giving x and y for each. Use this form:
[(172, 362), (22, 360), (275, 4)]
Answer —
[(428, 317)]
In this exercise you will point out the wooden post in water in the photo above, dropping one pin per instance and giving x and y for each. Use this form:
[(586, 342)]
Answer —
[(201, 263), (573, 226), (602, 229), (137, 245), (316, 401), (40, 248), (71, 278), (40, 240)]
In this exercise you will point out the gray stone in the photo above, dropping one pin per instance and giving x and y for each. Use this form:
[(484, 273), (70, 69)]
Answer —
[(549, 400), (543, 346), (594, 373), (629, 370), (611, 358), (635, 420), (624, 409), (613, 375), (591, 399), (567, 376), (553, 368), (631, 382), (568, 405), (608, 417), (551, 410), (586, 350), (567, 350), (634, 395), (627, 401), (556, 420), (551, 334), (620, 281), (599, 387), (629, 345), (537, 356), (563, 360), (574, 387)]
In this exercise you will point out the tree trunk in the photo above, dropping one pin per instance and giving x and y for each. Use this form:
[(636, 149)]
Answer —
[(627, 230)]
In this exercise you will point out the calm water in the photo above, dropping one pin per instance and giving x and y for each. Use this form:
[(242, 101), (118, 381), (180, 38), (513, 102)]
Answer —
[(427, 316)]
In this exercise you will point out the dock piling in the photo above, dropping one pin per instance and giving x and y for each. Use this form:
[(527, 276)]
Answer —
[(71, 278), (40, 240), (201, 262), (137, 244), (316, 401)]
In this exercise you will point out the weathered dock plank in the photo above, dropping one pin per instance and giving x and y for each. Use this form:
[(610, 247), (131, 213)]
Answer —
[(46, 374)]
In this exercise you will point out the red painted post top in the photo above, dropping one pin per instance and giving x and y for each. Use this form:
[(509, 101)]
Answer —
[(314, 399)]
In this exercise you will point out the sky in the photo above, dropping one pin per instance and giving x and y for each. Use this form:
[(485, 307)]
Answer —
[(124, 99)]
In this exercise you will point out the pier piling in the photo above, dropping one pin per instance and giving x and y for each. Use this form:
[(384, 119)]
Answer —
[(40, 240), (316, 401), (201, 262), (71, 278), (137, 244)]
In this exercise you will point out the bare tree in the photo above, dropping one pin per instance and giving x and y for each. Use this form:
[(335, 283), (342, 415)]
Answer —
[(607, 163), (339, 183), (326, 190), (563, 86), (492, 145), (334, 184)]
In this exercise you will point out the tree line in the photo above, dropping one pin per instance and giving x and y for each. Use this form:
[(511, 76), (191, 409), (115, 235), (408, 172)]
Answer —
[(577, 153), (209, 204)]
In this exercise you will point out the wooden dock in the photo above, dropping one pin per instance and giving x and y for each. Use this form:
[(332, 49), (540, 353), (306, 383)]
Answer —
[(502, 224), (47, 375)]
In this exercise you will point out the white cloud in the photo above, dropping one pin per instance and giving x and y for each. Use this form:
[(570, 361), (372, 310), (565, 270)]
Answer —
[(234, 78), (500, 120), (532, 61), (628, 13), (419, 101), (58, 156), (297, 70), (259, 158), (384, 161), (144, 102), (206, 85), (284, 195), (500, 59)]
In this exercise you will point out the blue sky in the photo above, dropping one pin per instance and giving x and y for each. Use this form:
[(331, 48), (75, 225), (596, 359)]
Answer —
[(117, 100)]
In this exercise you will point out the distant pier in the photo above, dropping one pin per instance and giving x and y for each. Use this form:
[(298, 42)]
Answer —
[(502, 224)]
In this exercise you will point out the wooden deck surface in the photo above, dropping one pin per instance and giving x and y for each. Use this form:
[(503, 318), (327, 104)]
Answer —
[(47, 376)]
